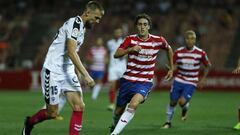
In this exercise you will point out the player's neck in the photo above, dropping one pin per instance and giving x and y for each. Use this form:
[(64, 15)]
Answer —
[(189, 48), (143, 37)]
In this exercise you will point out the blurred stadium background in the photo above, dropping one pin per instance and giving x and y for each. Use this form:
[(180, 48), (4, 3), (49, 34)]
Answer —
[(27, 28)]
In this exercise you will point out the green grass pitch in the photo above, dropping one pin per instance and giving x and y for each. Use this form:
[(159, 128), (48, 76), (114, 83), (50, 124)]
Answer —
[(211, 113)]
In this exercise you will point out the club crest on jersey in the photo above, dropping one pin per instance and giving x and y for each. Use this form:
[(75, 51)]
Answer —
[(75, 32)]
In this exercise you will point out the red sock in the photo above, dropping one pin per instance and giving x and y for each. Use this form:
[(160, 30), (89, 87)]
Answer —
[(112, 94), (40, 116), (76, 123)]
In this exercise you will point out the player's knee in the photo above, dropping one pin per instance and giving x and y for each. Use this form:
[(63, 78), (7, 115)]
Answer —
[(52, 113), (79, 107), (173, 103), (133, 105), (182, 101)]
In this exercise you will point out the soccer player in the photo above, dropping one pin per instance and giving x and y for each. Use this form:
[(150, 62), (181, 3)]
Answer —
[(62, 69), (187, 61), (97, 57), (116, 67), (135, 84), (237, 71)]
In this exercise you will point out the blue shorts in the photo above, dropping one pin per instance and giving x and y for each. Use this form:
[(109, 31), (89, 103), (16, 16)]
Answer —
[(128, 89), (96, 74), (181, 89)]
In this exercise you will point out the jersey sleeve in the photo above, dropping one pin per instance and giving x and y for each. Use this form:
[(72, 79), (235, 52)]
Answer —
[(73, 28), (174, 57), (126, 43), (165, 44), (205, 59)]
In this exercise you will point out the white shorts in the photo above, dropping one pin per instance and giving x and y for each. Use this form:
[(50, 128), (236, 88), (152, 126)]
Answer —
[(115, 73), (55, 84)]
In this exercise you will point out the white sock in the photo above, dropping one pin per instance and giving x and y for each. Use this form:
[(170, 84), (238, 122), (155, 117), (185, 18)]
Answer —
[(186, 106), (170, 112), (96, 90), (124, 120)]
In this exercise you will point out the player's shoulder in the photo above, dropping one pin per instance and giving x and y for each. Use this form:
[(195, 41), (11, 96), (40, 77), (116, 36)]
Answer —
[(180, 49), (199, 49), (75, 19), (130, 37), (157, 38)]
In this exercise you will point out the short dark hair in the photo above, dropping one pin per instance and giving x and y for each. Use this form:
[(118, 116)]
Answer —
[(145, 16), (93, 5), (189, 32)]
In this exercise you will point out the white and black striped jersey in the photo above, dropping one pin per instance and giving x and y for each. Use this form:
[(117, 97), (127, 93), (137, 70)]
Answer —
[(57, 59)]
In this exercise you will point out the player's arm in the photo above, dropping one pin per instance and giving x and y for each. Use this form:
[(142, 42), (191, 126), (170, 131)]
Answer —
[(237, 69), (205, 73), (122, 52), (71, 51), (170, 63)]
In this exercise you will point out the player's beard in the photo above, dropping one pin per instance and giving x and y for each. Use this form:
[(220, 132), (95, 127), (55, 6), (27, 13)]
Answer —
[(88, 25)]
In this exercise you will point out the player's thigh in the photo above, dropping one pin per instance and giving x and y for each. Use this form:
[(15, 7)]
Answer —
[(188, 92), (73, 91), (75, 100), (175, 92), (135, 101)]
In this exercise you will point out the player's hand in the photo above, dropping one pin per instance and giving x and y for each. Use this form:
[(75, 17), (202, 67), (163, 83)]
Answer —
[(136, 48), (169, 75), (236, 71), (200, 84), (90, 82)]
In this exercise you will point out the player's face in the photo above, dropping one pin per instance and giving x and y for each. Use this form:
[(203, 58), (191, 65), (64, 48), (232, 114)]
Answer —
[(118, 33), (94, 16), (190, 40), (143, 27), (99, 42)]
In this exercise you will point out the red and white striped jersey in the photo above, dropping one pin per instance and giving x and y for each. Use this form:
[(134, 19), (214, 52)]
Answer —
[(141, 65), (98, 55), (188, 64)]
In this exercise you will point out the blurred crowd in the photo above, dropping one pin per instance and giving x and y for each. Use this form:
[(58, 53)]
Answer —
[(23, 43)]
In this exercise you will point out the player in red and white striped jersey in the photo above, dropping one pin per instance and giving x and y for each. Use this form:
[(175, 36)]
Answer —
[(187, 61), (98, 59), (136, 82)]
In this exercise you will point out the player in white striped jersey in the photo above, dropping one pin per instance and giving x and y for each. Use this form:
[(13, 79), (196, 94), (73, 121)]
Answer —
[(187, 61), (116, 67), (136, 82), (237, 71), (62, 70)]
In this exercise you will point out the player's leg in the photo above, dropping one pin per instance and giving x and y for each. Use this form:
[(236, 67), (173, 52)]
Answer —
[(51, 90), (114, 75), (175, 93), (128, 113), (73, 93), (123, 99), (112, 95), (117, 113), (184, 100), (62, 101), (139, 92), (237, 126), (97, 88), (97, 76), (184, 105), (75, 100)]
